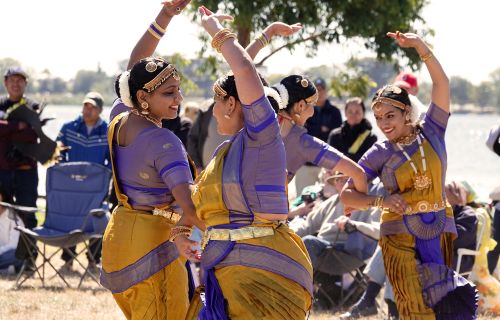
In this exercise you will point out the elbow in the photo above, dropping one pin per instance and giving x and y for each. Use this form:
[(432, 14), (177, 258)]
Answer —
[(243, 66)]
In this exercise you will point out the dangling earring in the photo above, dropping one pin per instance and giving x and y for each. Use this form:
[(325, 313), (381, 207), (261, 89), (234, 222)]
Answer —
[(145, 107), (407, 119), (227, 116)]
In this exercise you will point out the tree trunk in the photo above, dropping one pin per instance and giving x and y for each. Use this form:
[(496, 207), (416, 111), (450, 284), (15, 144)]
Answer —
[(243, 36)]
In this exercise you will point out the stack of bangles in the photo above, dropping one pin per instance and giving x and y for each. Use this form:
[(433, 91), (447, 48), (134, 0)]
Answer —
[(262, 38), (379, 202), (220, 37), (180, 230), (426, 56), (156, 31)]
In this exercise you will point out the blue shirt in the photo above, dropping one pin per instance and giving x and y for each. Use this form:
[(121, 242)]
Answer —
[(92, 147)]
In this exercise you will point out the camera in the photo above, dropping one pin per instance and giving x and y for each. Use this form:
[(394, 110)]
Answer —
[(308, 198)]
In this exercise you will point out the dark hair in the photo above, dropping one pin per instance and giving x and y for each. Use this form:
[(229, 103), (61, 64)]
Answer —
[(388, 91), (299, 88), (139, 76), (355, 100), (228, 83), (6, 196)]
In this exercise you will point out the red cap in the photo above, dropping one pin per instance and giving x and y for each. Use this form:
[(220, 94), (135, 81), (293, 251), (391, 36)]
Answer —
[(406, 80)]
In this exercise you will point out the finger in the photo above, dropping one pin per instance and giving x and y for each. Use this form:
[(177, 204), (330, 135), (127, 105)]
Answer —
[(207, 11), (223, 17), (391, 35)]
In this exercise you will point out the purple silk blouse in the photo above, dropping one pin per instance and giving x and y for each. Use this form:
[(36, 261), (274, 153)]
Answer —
[(383, 158), (151, 166), (301, 148), (254, 173)]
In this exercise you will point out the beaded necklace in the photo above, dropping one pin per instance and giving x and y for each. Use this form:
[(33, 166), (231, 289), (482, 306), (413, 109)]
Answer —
[(422, 181)]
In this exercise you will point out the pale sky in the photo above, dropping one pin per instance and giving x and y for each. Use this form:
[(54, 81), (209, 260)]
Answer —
[(66, 36)]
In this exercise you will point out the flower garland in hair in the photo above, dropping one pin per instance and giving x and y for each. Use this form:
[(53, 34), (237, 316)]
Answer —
[(125, 89), (270, 92), (416, 114), (283, 92)]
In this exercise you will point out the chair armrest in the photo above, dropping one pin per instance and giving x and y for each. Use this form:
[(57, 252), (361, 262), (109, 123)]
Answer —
[(99, 213), (467, 252)]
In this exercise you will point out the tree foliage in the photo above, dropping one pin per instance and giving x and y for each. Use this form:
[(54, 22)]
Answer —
[(328, 21)]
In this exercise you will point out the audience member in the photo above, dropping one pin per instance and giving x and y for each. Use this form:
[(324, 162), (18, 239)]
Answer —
[(203, 138), (191, 111), (86, 140), (493, 143), (354, 137), (9, 237), (18, 173)]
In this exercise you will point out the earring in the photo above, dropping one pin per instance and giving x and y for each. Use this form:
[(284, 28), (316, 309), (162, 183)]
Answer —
[(145, 107), (227, 116), (407, 118)]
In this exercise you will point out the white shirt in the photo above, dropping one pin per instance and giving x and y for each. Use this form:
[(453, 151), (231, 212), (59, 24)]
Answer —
[(9, 237)]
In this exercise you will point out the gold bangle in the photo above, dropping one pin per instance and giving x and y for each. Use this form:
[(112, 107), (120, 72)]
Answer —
[(180, 230), (219, 44), (426, 56)]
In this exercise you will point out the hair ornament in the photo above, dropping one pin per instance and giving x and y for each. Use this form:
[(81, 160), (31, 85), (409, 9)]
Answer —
[(151, 66), (304, 83), (125, 89), (167, 72), (283, 94), (270, 92)]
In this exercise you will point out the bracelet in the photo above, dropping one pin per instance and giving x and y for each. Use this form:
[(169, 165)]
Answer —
[(378, 202), (426, 56), (180, 230), (156, 31), (220, 37), (262, 39)]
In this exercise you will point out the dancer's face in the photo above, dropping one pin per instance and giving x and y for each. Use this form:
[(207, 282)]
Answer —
[(224, 112), (390, 120), (164, 102), (303, 111)]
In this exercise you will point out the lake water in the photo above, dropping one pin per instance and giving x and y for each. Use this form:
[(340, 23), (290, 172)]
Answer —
[(468, 157)]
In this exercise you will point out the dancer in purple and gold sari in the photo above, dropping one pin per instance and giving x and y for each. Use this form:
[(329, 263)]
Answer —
[(417, 226), (296, 101), (254, 266), (152, 180)]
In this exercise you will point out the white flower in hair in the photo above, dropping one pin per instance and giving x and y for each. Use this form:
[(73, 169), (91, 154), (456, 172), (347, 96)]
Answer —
[(417, 110), (270, 92), (283, 95), (125, 90)]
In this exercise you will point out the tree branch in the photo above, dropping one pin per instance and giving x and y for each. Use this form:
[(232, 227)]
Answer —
[(313, 36)]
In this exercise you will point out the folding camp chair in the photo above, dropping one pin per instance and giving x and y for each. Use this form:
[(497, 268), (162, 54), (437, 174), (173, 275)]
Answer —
[(336, 262), (75, 213)]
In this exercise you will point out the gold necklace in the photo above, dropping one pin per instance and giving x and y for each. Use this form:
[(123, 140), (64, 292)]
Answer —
[(147, 117), (422, 181), (408, 139)]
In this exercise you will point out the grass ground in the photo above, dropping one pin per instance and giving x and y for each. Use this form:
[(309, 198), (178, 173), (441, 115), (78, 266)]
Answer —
[(57, 302)]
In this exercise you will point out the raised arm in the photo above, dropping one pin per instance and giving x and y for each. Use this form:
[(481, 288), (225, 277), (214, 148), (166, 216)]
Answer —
[(440, 82), (248, 83), (274, 29), (147, 44)]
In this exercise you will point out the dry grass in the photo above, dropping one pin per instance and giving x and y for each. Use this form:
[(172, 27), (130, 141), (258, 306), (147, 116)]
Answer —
[(57, 302)]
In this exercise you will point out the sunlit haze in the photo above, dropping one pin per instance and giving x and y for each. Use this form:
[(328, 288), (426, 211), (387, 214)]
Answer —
[(66, 36)]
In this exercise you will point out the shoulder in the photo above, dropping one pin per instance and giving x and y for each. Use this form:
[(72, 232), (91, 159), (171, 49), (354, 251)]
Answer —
[(162, 139), (380, 150)]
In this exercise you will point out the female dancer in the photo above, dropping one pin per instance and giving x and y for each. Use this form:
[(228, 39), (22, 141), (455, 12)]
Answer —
[(298, 96), (152, 176), (254, 266), (417, 227)]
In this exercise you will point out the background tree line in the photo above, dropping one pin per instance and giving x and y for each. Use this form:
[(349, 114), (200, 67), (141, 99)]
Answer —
[(324, 21)]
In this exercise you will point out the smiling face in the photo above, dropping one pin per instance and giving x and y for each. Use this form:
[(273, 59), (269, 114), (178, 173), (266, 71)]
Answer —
[(165, 100), (15, 85), (391, 121)]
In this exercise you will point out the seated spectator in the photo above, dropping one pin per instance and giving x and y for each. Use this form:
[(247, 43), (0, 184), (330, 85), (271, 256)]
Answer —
[(466, 223), (319, 228), (9, 237), (86, 140), (314, 195)]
